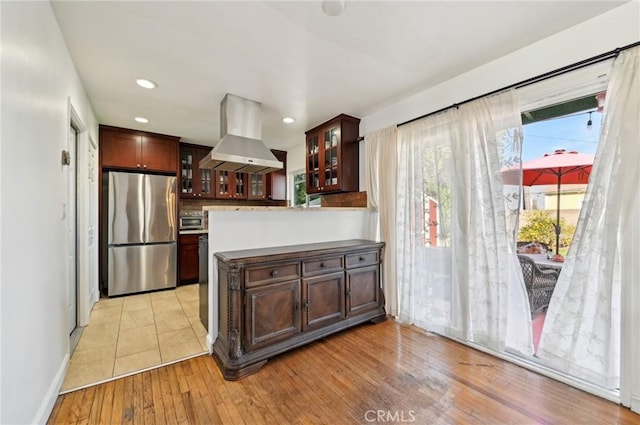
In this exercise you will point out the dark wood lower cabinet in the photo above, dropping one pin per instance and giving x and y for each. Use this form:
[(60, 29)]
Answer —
[(188, 259), (323, 300), (272, 313), (274, 299)]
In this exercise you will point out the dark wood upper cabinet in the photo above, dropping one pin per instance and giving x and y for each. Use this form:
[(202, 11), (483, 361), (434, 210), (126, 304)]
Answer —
[(271, 186), (158, 153), (195, 182), (202, 183), (230, 185), (130, 149), (276, 182), (118, 149), (332, 159)]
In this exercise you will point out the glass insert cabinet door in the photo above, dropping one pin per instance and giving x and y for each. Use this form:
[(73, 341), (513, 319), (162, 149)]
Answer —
[(223, 187), (205, 176), (331, 137), (313, 162), (257, 186), (332, 163), (231, 185), (239, 183), (186, 170)]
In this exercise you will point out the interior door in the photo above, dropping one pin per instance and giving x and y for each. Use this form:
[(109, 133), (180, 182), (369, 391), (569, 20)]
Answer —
[(92, 231), (70, 216)]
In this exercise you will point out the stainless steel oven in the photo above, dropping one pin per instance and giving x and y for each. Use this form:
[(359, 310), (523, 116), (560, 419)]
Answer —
[(191, 220)]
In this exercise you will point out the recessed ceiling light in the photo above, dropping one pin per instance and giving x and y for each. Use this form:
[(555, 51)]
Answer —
[(147, 84), (288, 120), (333, 7), (142, 120)]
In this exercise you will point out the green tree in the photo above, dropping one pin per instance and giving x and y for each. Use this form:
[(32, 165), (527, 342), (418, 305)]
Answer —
[(299, 183), (540, 228), (436, 185)]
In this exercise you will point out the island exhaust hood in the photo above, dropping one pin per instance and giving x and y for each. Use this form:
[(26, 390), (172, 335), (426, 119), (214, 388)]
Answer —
[(240, 148)]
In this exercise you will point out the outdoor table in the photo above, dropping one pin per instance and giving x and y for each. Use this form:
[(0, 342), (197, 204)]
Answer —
[(543, 262)]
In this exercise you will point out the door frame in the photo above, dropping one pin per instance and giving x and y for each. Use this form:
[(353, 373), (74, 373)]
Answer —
[(86, 174), (70, 213)]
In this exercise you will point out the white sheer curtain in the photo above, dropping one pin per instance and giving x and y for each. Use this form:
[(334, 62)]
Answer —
[(581, 335), (457, 269), (381, 174)]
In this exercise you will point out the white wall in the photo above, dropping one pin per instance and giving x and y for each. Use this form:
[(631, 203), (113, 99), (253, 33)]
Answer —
[(296, 157), (38, 81), (616, 28)]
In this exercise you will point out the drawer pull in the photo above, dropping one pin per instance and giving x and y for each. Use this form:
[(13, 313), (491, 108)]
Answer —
[(361, 259), (322, 265), (297, 306), (274, 273)]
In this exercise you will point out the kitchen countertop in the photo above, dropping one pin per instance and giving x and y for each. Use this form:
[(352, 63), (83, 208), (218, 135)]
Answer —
[(263, 208), (194, 232)]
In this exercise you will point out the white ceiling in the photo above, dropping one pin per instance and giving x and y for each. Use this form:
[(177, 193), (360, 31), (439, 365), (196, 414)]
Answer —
[(288, 55)]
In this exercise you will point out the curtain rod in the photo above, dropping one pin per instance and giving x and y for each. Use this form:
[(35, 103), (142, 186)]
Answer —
[(581, 64)]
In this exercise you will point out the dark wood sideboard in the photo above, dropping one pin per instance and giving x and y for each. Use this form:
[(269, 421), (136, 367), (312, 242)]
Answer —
[(274, 299)]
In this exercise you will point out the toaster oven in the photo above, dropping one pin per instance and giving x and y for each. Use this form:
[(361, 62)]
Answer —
[(191, 220)]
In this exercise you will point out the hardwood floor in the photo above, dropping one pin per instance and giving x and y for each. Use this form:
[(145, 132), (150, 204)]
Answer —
[(385, 373)]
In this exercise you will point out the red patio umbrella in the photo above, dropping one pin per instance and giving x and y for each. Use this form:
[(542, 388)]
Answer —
[(561, 166)]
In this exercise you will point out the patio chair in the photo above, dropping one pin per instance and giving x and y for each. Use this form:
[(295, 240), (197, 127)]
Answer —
[(522, 244), (538, 282)]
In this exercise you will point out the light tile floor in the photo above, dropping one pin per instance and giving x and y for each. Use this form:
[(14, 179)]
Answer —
[(132, 333)]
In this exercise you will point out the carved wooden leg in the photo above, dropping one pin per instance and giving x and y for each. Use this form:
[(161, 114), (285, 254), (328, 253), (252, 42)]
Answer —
[(378, 319), (235, 374)]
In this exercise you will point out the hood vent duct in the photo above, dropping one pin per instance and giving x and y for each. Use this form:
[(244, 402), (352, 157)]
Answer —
[(240, 148)]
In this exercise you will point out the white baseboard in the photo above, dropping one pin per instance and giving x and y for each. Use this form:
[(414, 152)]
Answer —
[(49, 400), (635, 403), (209, 341)]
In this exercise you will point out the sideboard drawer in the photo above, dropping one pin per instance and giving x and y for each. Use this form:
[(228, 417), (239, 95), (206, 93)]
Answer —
[(362, 259), (259, 275), (325, 265)]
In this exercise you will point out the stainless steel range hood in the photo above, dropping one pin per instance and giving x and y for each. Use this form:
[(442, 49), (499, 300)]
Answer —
[(240, 148)]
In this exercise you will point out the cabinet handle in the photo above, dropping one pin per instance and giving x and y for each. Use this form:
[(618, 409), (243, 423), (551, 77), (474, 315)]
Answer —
[(361, 259), (145, 166), (274, 273), (297, 306), (322, 265), (306, 304), (348, 292), (138, 165)]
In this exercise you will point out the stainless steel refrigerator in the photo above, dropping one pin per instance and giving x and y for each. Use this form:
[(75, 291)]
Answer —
[(141, 238)]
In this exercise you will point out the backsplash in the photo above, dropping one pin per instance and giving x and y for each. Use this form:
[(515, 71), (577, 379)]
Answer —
[(197, 204)]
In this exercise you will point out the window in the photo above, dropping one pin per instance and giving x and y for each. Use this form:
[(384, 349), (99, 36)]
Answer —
[(299, 198)]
